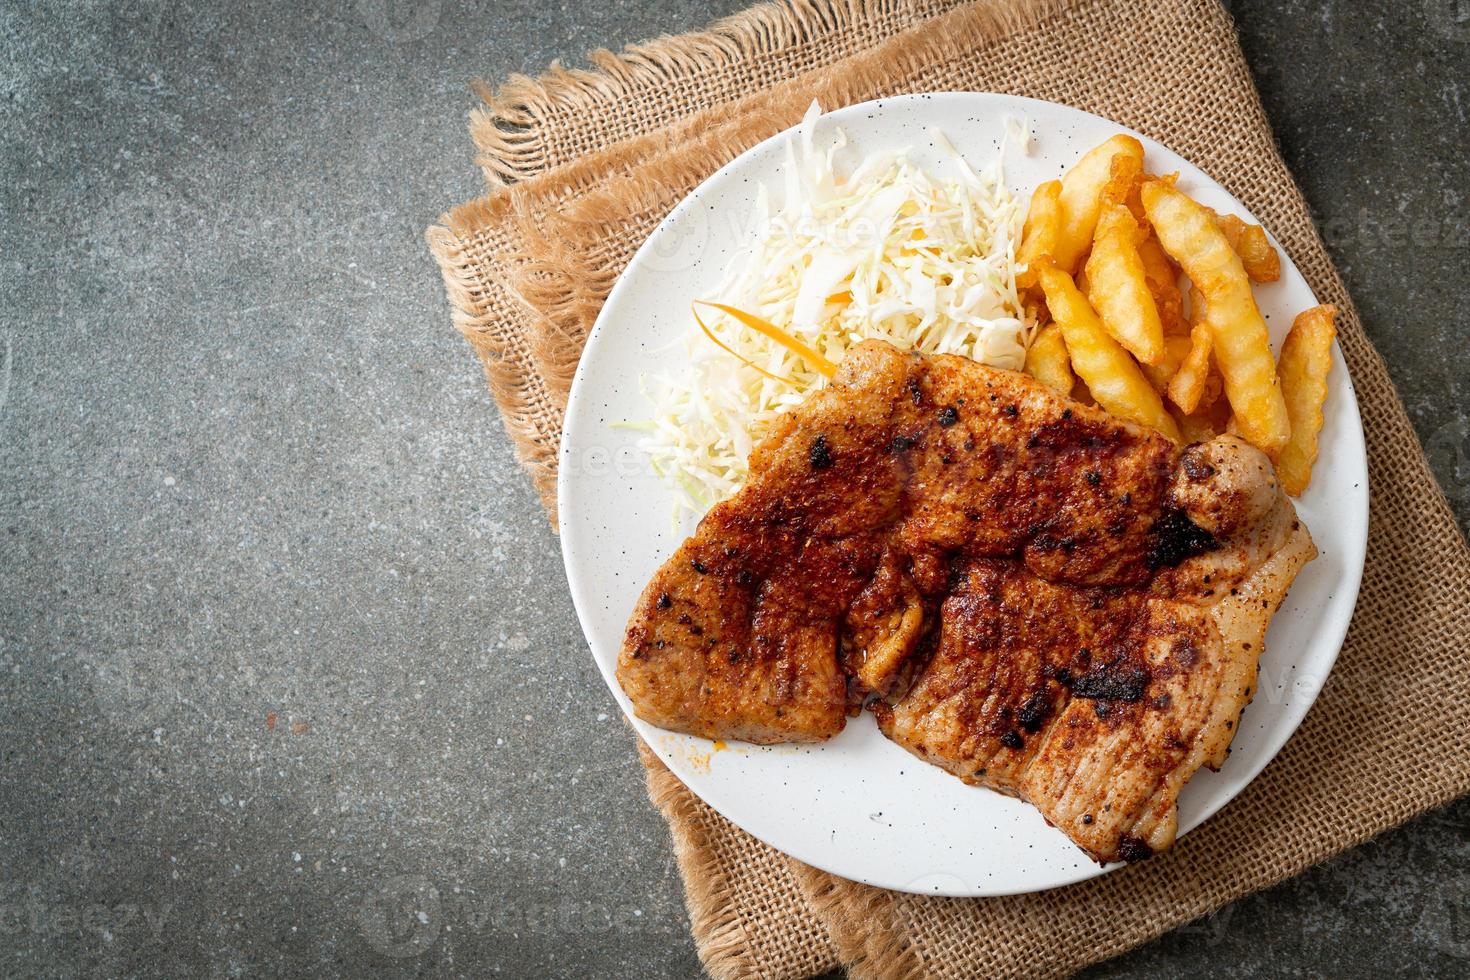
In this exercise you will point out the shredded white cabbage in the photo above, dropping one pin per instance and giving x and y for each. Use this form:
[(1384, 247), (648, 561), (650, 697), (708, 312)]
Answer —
[(888, 251)]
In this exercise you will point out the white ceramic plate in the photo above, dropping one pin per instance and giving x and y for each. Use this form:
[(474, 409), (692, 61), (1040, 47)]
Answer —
[(859, 806)]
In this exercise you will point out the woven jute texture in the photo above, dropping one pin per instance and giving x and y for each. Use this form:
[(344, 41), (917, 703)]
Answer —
[(584, 165), (530, 125)]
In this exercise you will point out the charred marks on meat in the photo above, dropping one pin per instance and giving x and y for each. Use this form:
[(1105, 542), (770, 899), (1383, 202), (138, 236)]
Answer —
[(820, 455), (1177, 538), (1132, 849), (1118, 682)]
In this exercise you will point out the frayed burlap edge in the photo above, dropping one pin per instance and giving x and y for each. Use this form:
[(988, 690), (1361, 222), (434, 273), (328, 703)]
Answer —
[(513, 129), (496, 327), (510, 128)]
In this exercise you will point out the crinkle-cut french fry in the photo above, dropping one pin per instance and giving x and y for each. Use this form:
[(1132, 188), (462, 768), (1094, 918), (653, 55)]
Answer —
[(1081, 187), (1206, 423), (1256, 252), (1125, 177), (1039, 234), (1117, 286), (1176, 349), (1047, 360), (1187, 387), (1193, 428), (1306, 360), (1163, 282), (1111, 375), (1241, 342)]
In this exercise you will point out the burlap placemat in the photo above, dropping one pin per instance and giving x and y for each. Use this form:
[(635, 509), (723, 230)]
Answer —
[(531, 125), (527, 269)]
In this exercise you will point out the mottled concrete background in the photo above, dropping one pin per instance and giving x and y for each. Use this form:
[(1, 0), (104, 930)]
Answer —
[(291, 680)]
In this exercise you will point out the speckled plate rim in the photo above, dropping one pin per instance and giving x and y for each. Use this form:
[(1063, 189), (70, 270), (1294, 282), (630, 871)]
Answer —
[(1307, 633)]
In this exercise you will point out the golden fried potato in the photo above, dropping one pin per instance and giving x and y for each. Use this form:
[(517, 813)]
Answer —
[(1193, 428), (1081, 187), (1256, 253), (1187, 387), (1210, 384), (1163, 282), (1306, 359), (1214, 386), (1176, 349), (1240, 340), (1047, 360), (1116, 219), (1204, 424), (1156, 262), (1118, 288), (1111, 375), (1125, 177), (1039, 234)]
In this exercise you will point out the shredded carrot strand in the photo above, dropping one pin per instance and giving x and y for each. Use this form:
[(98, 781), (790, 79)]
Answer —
[(814, 360), (735, 354)]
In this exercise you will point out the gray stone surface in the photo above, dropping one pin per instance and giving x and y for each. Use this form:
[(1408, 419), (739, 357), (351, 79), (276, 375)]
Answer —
[(286, 651)]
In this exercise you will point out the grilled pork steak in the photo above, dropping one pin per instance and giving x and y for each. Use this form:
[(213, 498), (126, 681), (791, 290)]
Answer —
[(1035, 595)]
